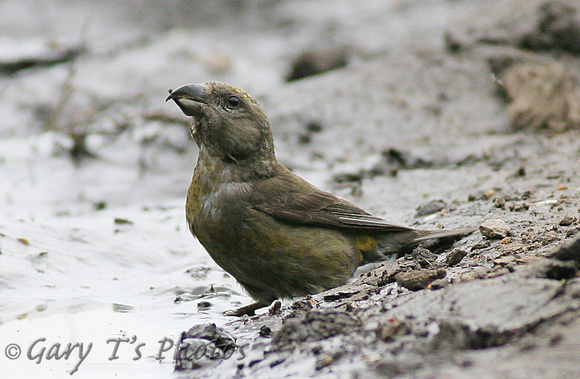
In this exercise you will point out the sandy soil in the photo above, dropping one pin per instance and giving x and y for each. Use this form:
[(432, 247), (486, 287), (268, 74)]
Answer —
[(446, 114)]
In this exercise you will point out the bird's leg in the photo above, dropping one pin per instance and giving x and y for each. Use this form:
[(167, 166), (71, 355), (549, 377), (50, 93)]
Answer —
[(246, 310)]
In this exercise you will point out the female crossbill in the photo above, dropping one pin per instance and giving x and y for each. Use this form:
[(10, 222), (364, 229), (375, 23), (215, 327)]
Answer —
[(278, 235)]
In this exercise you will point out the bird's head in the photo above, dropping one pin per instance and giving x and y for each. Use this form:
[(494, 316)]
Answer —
[(227, 122)]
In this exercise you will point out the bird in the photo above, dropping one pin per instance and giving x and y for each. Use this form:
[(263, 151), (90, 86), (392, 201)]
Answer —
[(279, 236)]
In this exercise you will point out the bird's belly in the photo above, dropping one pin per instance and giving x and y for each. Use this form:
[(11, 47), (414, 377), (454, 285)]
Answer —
[(273, 259)]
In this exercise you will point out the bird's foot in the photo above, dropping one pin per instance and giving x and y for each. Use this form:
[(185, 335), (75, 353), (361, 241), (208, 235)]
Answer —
[(249, 310)]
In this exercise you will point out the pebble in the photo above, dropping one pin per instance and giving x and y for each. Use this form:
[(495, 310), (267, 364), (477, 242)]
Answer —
[(518, 207), (455, 256), (265, 331), (567, 220), (499, 201), (419, 279), (495, 229), (433, 206)]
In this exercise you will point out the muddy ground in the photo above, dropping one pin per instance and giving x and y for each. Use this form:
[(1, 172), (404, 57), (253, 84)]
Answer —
[(427, 113)]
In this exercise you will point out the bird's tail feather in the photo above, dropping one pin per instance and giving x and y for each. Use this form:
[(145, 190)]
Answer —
[(425, 235), (403, 241)]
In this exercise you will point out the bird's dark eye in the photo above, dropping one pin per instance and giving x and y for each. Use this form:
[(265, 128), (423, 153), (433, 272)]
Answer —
[(233, 101)]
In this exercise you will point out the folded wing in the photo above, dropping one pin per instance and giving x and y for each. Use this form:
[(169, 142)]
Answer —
[(298, 202)]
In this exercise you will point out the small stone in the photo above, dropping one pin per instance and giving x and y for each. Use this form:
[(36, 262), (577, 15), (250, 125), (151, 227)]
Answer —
[(499, 201), (431, 207), (209, 340), (204, 305), (313, 62), (561, 187), (518, 207), (495, 229), (265, 331), (424, 257), (567, 221), (275, 307), (505, 260), (418, 279), (455, 256), (480, 245), (480, 195)]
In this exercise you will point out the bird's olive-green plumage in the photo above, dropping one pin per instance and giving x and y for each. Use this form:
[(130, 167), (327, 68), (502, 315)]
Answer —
[(278, 235)]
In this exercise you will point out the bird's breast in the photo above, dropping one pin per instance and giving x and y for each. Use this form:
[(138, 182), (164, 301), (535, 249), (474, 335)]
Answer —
[(215, 207)]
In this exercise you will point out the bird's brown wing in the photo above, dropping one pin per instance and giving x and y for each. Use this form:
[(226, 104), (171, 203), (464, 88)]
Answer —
[(295, 201)]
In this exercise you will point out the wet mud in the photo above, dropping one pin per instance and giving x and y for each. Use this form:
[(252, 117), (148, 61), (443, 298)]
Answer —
[(431, 114)]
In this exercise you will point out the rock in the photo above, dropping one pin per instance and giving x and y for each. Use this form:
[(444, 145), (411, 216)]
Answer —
[(382, 275), (424, 257), (204, 346), (495, 229), (569, 251), (567, 221), (499, 201), (419, 279), (454, 257), (265, 331), (555, 269), (519, 207), (542, 96), (431, 207), (558, 27), (315, 62), (479, 195)]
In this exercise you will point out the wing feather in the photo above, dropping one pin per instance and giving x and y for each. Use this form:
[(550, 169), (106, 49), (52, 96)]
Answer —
[(295, 201)]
